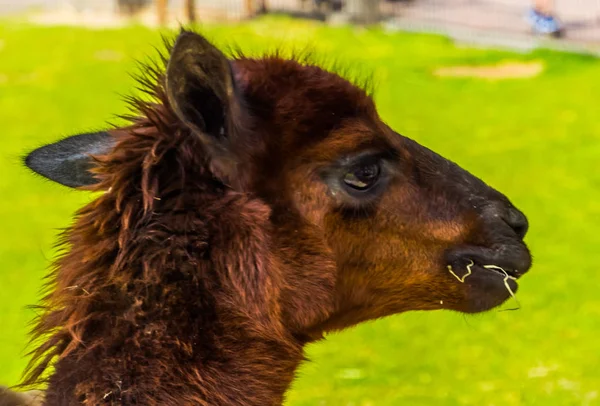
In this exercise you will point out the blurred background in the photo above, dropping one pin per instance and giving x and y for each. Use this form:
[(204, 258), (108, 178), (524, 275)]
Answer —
[(509, 89), (503, 18)]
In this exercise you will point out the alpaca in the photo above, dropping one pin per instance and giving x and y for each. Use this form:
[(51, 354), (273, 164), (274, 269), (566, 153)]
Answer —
[(253, 205)]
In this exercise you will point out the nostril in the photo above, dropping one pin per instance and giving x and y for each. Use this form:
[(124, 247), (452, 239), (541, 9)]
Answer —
[(518, 222)]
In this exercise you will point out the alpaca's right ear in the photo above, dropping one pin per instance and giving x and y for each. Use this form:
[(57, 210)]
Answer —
[(11, 398), (69, 160)]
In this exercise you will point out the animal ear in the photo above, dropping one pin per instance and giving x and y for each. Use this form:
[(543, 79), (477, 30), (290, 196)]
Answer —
[(68, 161), (201, 90)]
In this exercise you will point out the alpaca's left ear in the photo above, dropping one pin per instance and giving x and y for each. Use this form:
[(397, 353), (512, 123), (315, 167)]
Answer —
[(202, 92), (199, 84), (69, 160)]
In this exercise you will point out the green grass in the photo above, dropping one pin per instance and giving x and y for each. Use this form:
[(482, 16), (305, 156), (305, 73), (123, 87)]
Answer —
[(537, 140)]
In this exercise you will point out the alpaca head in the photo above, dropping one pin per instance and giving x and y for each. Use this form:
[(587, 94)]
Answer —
[(362, 221)]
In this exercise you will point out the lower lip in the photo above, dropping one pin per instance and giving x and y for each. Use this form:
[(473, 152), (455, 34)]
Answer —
[(485, 288)]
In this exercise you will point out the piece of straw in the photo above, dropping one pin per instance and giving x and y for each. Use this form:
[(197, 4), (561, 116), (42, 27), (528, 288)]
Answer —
[(461, 280), (506, 278)]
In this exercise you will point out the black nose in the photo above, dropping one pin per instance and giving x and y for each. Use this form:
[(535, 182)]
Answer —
[(503, 210), (517, 221)]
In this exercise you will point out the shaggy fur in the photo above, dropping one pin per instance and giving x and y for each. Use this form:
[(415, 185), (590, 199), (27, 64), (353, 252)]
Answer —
[(221, 245)]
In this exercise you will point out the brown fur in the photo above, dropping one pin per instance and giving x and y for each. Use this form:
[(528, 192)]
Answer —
[(193, 281)]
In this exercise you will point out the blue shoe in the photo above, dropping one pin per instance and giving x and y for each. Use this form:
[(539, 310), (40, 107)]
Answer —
[(543, 24)]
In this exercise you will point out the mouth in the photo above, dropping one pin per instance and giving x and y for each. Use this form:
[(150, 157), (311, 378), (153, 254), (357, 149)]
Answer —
[(489, 275), (507, 274)]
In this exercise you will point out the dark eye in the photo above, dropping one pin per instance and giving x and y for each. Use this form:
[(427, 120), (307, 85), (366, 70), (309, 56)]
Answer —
[(363, 177)]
